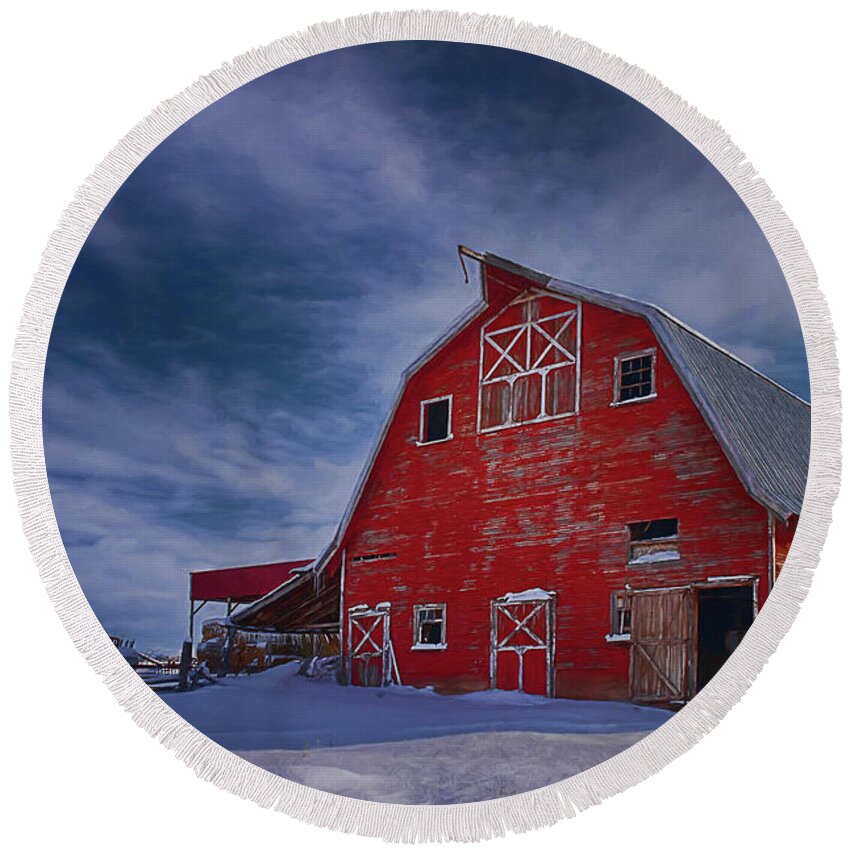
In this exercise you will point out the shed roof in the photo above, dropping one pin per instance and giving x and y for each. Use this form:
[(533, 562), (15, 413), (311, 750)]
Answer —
[(242, 584)]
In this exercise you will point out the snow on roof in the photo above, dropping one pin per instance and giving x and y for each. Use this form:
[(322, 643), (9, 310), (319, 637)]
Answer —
[(129, 653)]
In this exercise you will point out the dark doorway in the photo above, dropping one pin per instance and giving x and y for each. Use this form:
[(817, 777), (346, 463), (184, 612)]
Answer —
[(724, 615)]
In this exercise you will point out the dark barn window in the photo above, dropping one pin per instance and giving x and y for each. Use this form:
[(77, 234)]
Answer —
[(435, 420), (635, 377), (653, 541)]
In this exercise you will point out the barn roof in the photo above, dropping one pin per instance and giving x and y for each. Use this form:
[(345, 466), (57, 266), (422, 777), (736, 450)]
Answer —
[(763, 429), (242, 584)]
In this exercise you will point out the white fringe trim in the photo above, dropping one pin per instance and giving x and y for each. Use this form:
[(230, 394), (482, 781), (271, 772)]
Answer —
[(472, 821)]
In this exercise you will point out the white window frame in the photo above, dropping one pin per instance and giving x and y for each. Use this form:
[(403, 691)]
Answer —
[(422, 405), (619, 359), (505, 355), (431, 606)]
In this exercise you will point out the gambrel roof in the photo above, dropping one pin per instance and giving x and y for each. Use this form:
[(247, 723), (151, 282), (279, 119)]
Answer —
[(763, 429)]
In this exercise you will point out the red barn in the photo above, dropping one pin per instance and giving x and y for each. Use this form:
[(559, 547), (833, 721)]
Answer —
[(574, 494)]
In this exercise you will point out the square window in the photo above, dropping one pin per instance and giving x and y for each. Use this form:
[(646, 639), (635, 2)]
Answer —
[(634, 376), (429, 626), (653, 541), (435, 420)]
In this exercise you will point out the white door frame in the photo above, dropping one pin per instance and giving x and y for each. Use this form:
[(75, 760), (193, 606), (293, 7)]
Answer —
[(363, 645), (502, 606)]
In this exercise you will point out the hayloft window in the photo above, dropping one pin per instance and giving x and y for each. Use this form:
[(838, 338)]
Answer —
[(653, 541), (435, 420), (621, 615), (429, 627), (634, 376), (530, 362)]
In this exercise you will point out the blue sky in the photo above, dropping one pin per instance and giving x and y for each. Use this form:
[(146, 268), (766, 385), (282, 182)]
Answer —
[(233, 330)]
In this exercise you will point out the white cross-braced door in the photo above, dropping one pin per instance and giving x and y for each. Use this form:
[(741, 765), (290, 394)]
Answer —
[(369, 648), (522, 650)]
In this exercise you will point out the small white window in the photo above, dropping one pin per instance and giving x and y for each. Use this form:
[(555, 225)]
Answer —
[(634, 376), (435, 420), (654, 541), (429, 627)]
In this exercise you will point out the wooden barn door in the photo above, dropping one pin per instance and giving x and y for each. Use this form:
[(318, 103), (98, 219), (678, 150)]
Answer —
[(369, 645), (662, 645), (522, 644)]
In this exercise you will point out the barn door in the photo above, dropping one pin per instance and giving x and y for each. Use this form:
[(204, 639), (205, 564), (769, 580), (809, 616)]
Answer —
[(661, 646), (522, 642), (369, 645)]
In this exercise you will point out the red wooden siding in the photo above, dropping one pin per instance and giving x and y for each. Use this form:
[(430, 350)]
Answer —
[(542, 505)]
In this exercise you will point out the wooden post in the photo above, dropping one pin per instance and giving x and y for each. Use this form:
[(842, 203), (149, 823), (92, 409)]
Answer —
[(342, 674), (228, 645), (185, 665), (193, 611)]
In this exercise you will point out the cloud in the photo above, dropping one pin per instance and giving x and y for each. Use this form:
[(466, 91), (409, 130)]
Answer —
[(153, 479)]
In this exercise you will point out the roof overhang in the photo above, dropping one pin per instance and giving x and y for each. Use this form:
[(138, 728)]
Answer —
[(242, 584), (306, 602)]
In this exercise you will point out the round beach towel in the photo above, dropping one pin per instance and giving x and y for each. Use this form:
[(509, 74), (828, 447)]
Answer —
[(423, 417)]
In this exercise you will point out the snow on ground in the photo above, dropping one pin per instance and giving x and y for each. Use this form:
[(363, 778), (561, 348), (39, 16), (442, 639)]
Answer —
[(451, 769), (406, 745)]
